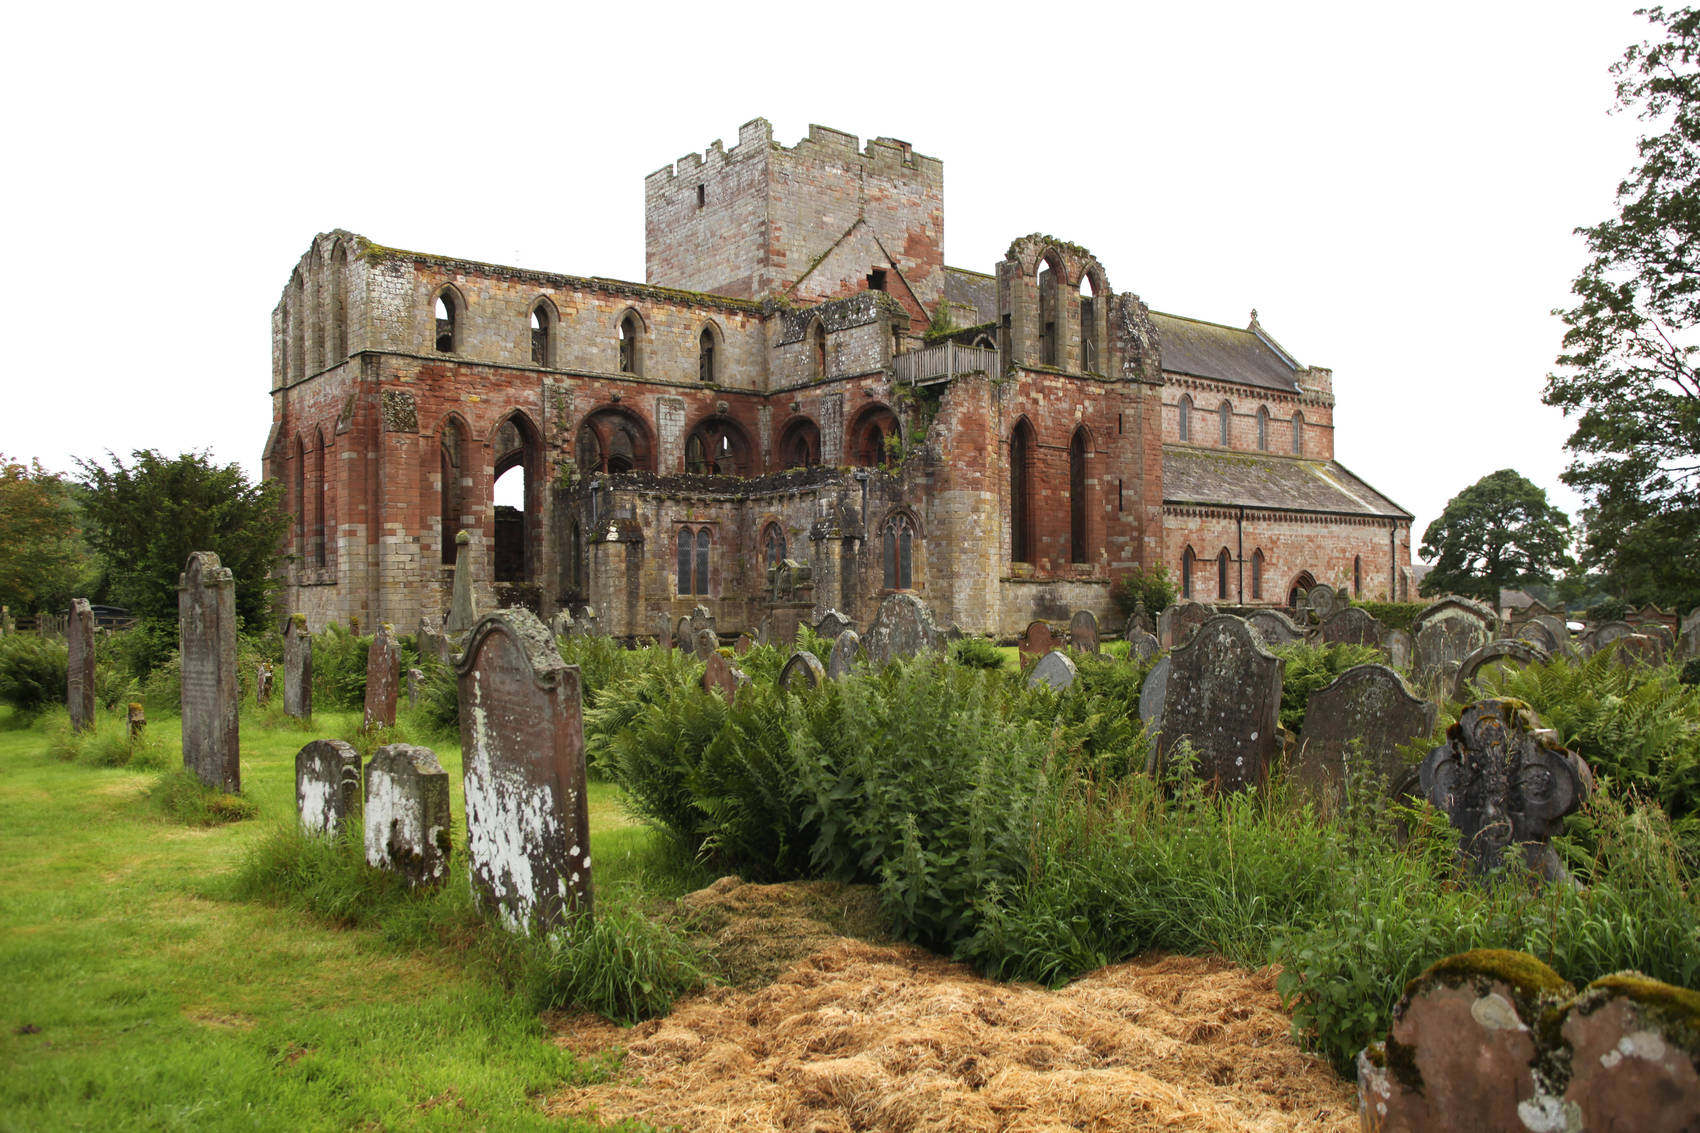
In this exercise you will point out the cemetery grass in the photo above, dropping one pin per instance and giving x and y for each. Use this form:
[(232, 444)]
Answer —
[(141, 994)]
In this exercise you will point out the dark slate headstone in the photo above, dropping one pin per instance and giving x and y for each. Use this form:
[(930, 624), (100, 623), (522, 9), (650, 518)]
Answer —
[(1142, 646), (842, 659), (1322, 600), (1364, 715), (721, 674), (263, 684), (1151, 696), (527, 811), (463, 608), (1036, 640), (327, 786), (206, 634), (1502, 781), (297, 668), (706, 643), (1225, 696), (1083, 632), (79, 673), (1349, 626), (831, 624), (383, 678), (1275, 628), (903, 627), (1446, 633), (1179, 622), (1493, 657), (1053, 669), (407, 823), (803, 670)]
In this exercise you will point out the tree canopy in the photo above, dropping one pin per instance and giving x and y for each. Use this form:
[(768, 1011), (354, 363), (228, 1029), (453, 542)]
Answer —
[(1499, 532), (145, 519), (44, 561), (1627, 372)]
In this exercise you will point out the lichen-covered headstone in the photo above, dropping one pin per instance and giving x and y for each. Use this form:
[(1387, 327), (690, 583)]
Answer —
[(1362, 718), (1634, 1055), (1036, 640), (79, 673), (415, 678), (1224, 696), (1275, 628), (1142, 646), (831, 624), (1537, 633), (297, 668), (383, 678), (327, 786), (463, 607), (706, 643), (527, 811), (1444, 634), (802, 671), (1139, 621), (407, 823), (743, 645), (1492, 658), (903, 627), (719, 673), (1179, 622), (1401, 649), (1605, 634), (211, 696), (263, 684), (683, 636), (1640, 649), (1688, 643), (842, 659), (702, 619), (1349, 626), (1054, 669), (1322, 600), (561, 625), (1504, 781), (1083, 632), (1151, 696)]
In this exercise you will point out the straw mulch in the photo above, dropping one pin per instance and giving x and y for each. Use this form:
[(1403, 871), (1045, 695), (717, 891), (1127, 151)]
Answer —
[(865, 1036)]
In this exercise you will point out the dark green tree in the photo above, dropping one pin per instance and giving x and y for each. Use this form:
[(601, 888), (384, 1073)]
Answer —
[(44, 564), (1499, 532), (1628, 369), (146, 518)]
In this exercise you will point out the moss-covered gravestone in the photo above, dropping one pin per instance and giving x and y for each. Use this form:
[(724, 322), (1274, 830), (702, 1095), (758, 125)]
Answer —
[(842, 659), (1358, 721), (903, 627), (1224, 696), (802, 671), (383, 678), (206, 635), (297, 668)]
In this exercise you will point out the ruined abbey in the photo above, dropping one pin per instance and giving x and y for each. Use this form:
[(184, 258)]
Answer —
[(800, 379)]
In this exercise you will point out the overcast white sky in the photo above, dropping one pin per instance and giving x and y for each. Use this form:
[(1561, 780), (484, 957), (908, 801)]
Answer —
[(1393, 187)]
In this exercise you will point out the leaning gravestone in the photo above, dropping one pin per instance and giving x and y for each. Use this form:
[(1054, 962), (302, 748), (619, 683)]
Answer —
[(1537, 633), (803, 670), (1142, 646), (1083, 632), (297, 668), (383, 678), (1177, 624), (1444, 634), (701, 620), (1151, 696), (743, 645), (561, 624), (1054, 669), (842, 659), (1495, 657), (1322, 601), (1349, 626), (721, 674), (903, 627), (206, 632), (1275, 628), (527, 811), (1224, 695), (1504, 783), (831, 624), (1362, 717), (327, 786), (407, 823), (1036, 640), (79, 673)]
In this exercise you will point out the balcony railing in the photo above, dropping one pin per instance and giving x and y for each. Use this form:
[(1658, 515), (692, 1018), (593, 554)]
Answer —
[(943, 362)]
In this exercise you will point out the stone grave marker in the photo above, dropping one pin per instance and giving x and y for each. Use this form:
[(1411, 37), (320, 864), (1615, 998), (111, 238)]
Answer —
[(527, 811), (415, 678), (1495, 656), (1224, 694), (263, 684), (1688, 644), (327, 786), (831, 624), (1083, 632), (1639, 649), (463, 607), (1179, 622), (701, 620), (407, 823), (586, 623), (383, 678), (842, 659), (764, 630), (137, 719), (683, 636), (1142, 646), (1322, 600), (561, 624), (206, 634), (664, 631), (903, 627), (721, 674), (706, 643), (1140, 620), (79, 672), (1036, 641), (1054, 669), (803, 670), (1349, 626), (1275, 628), (743, 645), (297, 668), (1151, 696), (1444, 634), (1400, 649), (433, 642), (1504, 783), (1363, 715), (1537, 633), (1604, 634)]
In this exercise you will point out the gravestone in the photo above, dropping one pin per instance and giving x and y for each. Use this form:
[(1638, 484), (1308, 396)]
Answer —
[(1140, 620), (1401, 650), (1361, 717), (1604, 634), (764, 630), (664, 631), (1036, 641), (842, 659), (415, 678), (1142, 646), (463, 608), (1224, 695), (701, 620), (137, 719), (831, 624), (1322, 601), (1179, 622), (383, 678), (1639, 649), (1151, 696), (1054, 669), (706, 644), (1495, 656), (1275, 628), (297, 668), (1537, 633), (683, 636), (721, 674), (1688, 644), (327, 786), (206, 634), (527, 811), (1083, 632), (743, 645), (1444, 634), (1349, 626), (433, 642), (561, 624), (79, 672), (586, 623), (1503, 782), (903, 627), (407, 823), (803, 670), (263, 684)]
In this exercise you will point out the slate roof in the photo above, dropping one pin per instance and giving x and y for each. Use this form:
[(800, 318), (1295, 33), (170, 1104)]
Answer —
[(1224, 354), (1265, 480)]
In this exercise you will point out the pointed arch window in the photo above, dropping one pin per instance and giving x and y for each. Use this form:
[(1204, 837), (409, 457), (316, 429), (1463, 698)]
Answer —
[(1088, 324), (1078, 549), (1049, 315), (693, 556), (630, 336), (339, 304), (898, 546), (772, 545), (1186, 417), (817, 350), (1223, 562), (447, 322), (1257, 574), (1298, 434), (1225, 413), (1262, 428), (1187, 561), (875, 429), (300, 499), (705, 357), (1020, 493), (542, 334), (450, 461), (321, 517)]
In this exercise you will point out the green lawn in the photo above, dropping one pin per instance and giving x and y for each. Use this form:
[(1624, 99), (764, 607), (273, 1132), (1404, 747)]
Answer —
[(138, 994)]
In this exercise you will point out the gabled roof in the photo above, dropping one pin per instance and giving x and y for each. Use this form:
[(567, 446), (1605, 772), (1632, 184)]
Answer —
[(1264, 480), (1224, 354)]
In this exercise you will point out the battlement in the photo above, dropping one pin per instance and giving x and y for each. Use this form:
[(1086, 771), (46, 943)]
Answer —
[(754, 137)]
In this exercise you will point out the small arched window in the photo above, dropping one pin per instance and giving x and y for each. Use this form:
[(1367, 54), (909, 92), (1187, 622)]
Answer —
[(1225, 413), (1088, 324), (817, 350), (705, 356), (1298, 434), (631, 344), (898, 546), (542, 334), (1186, 417), (800, 446), (1257, 574), (1223, 562), (716, 448), (1357, 576), (448, 320), (1262, 428), (694, 544), (772, 545), (1187, 559)]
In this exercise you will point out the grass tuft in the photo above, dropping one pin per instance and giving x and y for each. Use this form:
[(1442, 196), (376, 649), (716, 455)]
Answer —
[(181, 797)]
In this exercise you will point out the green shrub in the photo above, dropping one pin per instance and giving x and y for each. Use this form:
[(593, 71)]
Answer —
[(1691, 671), (1393, 615), (976, 653), (162, 688), (1153, 584), (139, 650), (339, 668), (33, 672)]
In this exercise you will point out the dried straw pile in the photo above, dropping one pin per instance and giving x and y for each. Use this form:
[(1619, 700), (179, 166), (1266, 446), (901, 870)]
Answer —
[(861, 1036)]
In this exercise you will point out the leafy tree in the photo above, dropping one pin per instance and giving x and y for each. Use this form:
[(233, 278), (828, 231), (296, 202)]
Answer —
[(44, 560), (145, 519), (1628, 367), (1499, 532)]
